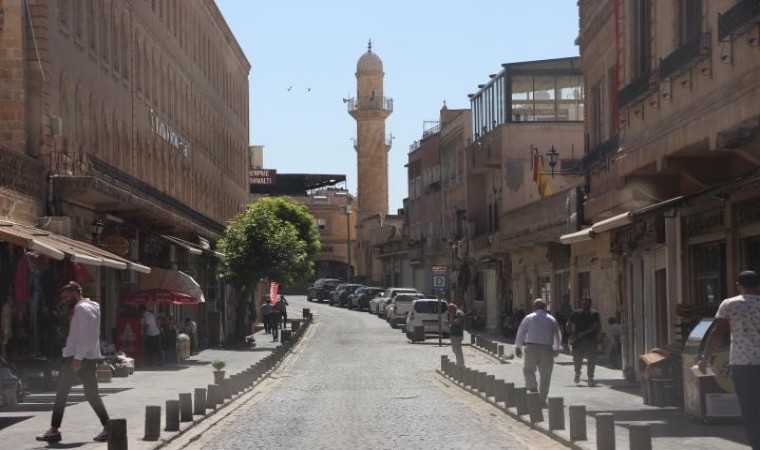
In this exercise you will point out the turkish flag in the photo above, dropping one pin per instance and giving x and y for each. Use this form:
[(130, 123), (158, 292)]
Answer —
[(274, 287)]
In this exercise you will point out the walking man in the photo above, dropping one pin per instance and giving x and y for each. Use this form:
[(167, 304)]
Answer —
[(540, 336), (151, 337), (583, 326), (80, 356), (266, 312), (282, 308), (615, 332), (456, 331), (274, 324), (191, 328), (740, 316)]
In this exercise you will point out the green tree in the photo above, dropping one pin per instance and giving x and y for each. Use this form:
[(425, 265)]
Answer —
[(273, 239)]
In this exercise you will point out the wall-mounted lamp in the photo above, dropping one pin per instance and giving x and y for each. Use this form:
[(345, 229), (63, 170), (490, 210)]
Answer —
[(96, 229), (553, 155)]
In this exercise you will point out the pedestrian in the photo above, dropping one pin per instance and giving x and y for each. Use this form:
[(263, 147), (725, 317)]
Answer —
[(740, 316), (456, 331), (151, 338), (541, 338), (282, 308), (615, 332), (274, 324), (563, 314), (266, 311), (169, 340), (80, 357), (191, 329), (583, 326)]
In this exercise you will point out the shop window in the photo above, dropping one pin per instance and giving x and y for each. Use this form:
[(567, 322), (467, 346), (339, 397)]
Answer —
[(751, 250), (584, 285), (708, 262)]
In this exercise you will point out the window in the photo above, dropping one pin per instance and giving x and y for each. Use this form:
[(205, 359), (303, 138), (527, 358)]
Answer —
[(597, 115), (642, 39), (124, 52), (63, 13), (104, 11), (321, 224), (709, 269), (78, 19), (92, 37), (584, 285), (690, 19)]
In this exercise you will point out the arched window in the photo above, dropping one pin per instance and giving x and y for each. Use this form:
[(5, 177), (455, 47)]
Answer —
[(138, 65), (94, 129), (92, 35), (115, 56), (126, 149), (78, 19), (146, 70), (106, 137), (65, 114), (104, 30), (63, 12), (124, 52)]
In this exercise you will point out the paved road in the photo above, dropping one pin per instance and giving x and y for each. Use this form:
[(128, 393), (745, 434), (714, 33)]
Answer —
[(358, 384)]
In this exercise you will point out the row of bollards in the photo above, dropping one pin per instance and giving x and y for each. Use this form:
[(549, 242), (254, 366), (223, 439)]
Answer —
[(506, 396), (487, 345), (212, 397)]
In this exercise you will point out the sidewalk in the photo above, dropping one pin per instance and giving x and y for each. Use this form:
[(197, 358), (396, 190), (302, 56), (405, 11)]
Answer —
[(671, 429), (124, 398)]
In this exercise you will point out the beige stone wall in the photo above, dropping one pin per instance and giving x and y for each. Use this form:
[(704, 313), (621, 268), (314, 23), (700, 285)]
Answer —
[(12, 78), (372, 166)]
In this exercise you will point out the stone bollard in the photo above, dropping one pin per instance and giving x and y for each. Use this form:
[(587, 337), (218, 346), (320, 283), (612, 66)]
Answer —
[(152, 423), (605, 431), (172, 415), (226, 389), (186, 407), (444, 360), (521, 399), (199, 402), (471, 378), (214, 396), (494, 347), (306, 314), (534, 407), (491, 386), (117, 434), (500, 351), (482, 379), (556, 413), (295, 324), (498, 390), (472, 339), (578, 423), (640, 436), (285, 336), (510, 399)]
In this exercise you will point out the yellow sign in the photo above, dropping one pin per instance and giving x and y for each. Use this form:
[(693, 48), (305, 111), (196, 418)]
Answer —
[(116, 244)]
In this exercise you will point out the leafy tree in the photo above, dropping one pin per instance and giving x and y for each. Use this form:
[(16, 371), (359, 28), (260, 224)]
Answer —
[(273, 239)]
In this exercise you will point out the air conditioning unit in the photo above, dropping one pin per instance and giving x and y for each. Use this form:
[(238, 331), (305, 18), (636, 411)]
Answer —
[(57, 224)]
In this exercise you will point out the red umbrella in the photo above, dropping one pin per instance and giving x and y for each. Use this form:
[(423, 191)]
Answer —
[(159, 297)]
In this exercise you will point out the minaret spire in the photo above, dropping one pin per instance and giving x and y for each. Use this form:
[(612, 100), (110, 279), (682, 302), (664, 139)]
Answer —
[(369, 46)]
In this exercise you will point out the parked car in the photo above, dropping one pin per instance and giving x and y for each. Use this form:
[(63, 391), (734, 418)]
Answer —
[(343, 298), (401, 304), (425, 312), (378, 304), (361, 297), (320, 290), (335, 293)]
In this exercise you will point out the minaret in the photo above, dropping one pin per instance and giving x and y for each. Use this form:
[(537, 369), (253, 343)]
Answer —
[(370, 109)]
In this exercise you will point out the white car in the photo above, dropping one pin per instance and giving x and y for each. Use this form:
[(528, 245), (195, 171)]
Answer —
[(423, 312), (378, 304), (397, 309)]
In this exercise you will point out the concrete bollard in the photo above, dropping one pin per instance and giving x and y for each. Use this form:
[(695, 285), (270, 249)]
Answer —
[(185, 407), (306, 314), (285, 336), (521, 399), (578, 423), (534, 407), (117, 434), (556, 413), (640, 436), (199, 401), (172, 415), (152, 423), (498, 390), (482, 382), (214, 396), (494, 347), (490, 386), (472, 339), (444, 360), (605, 431), (500, 351), (510, 399)]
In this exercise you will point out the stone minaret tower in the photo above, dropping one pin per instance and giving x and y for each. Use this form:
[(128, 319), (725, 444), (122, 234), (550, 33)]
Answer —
[(370, 109)]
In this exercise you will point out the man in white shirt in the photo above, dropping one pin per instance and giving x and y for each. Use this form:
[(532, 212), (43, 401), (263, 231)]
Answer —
[(80, 357), (151, 337), (540, 336), (740, 316)]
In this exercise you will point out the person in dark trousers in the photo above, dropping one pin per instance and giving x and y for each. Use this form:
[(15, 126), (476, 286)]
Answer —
[(80, 357), (455, 321), (282, 308), (740, 316), (266, 312), (615, 332), (151, 337), (583, 325), (274, 324)]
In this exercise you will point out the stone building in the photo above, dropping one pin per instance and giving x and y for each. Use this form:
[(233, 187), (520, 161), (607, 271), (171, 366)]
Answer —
[(132, 115), (672, 160)]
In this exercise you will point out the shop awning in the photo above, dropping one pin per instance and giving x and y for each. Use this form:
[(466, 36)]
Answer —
[(193, 249), (58, 247), (613, 222), (578, 236), (172, 280)]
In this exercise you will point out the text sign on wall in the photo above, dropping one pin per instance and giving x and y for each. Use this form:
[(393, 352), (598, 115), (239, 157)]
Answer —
[(263, 177), (168, 133)]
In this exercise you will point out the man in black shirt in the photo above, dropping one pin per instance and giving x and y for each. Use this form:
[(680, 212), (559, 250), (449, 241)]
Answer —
[(583, 325)]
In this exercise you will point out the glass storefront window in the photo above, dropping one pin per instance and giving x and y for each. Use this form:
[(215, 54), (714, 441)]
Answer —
[(709, 268), (751, 259)]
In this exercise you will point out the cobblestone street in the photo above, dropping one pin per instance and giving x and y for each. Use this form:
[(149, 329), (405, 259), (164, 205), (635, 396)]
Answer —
[(358, 384)]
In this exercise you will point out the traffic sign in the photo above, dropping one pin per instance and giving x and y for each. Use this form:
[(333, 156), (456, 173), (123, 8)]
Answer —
[(440, 279)]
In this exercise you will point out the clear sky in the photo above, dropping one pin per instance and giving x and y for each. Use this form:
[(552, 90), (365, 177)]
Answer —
[(431, 50)]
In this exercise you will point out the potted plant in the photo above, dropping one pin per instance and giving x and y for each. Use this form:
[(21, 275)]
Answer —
[(218, 366)]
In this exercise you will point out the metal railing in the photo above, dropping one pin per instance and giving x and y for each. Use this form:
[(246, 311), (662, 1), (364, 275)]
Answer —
[(430, 127), (69, 164), (684, 56), (601, 152), (21, 173), (635, 89), (742, 14), (370, 104)]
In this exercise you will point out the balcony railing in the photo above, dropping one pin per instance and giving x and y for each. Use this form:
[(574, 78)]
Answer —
[(601, 152), (741, 15), (430, 127), (21, 173), (370, 104), (685, 56), (635, 89)]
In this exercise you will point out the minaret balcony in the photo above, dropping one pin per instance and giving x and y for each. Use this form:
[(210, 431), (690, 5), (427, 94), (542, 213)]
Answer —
[(373, 103)]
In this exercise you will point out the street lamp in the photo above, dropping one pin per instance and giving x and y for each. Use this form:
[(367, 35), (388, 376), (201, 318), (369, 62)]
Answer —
[(96, 229), (553, 155), (347, 211)]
